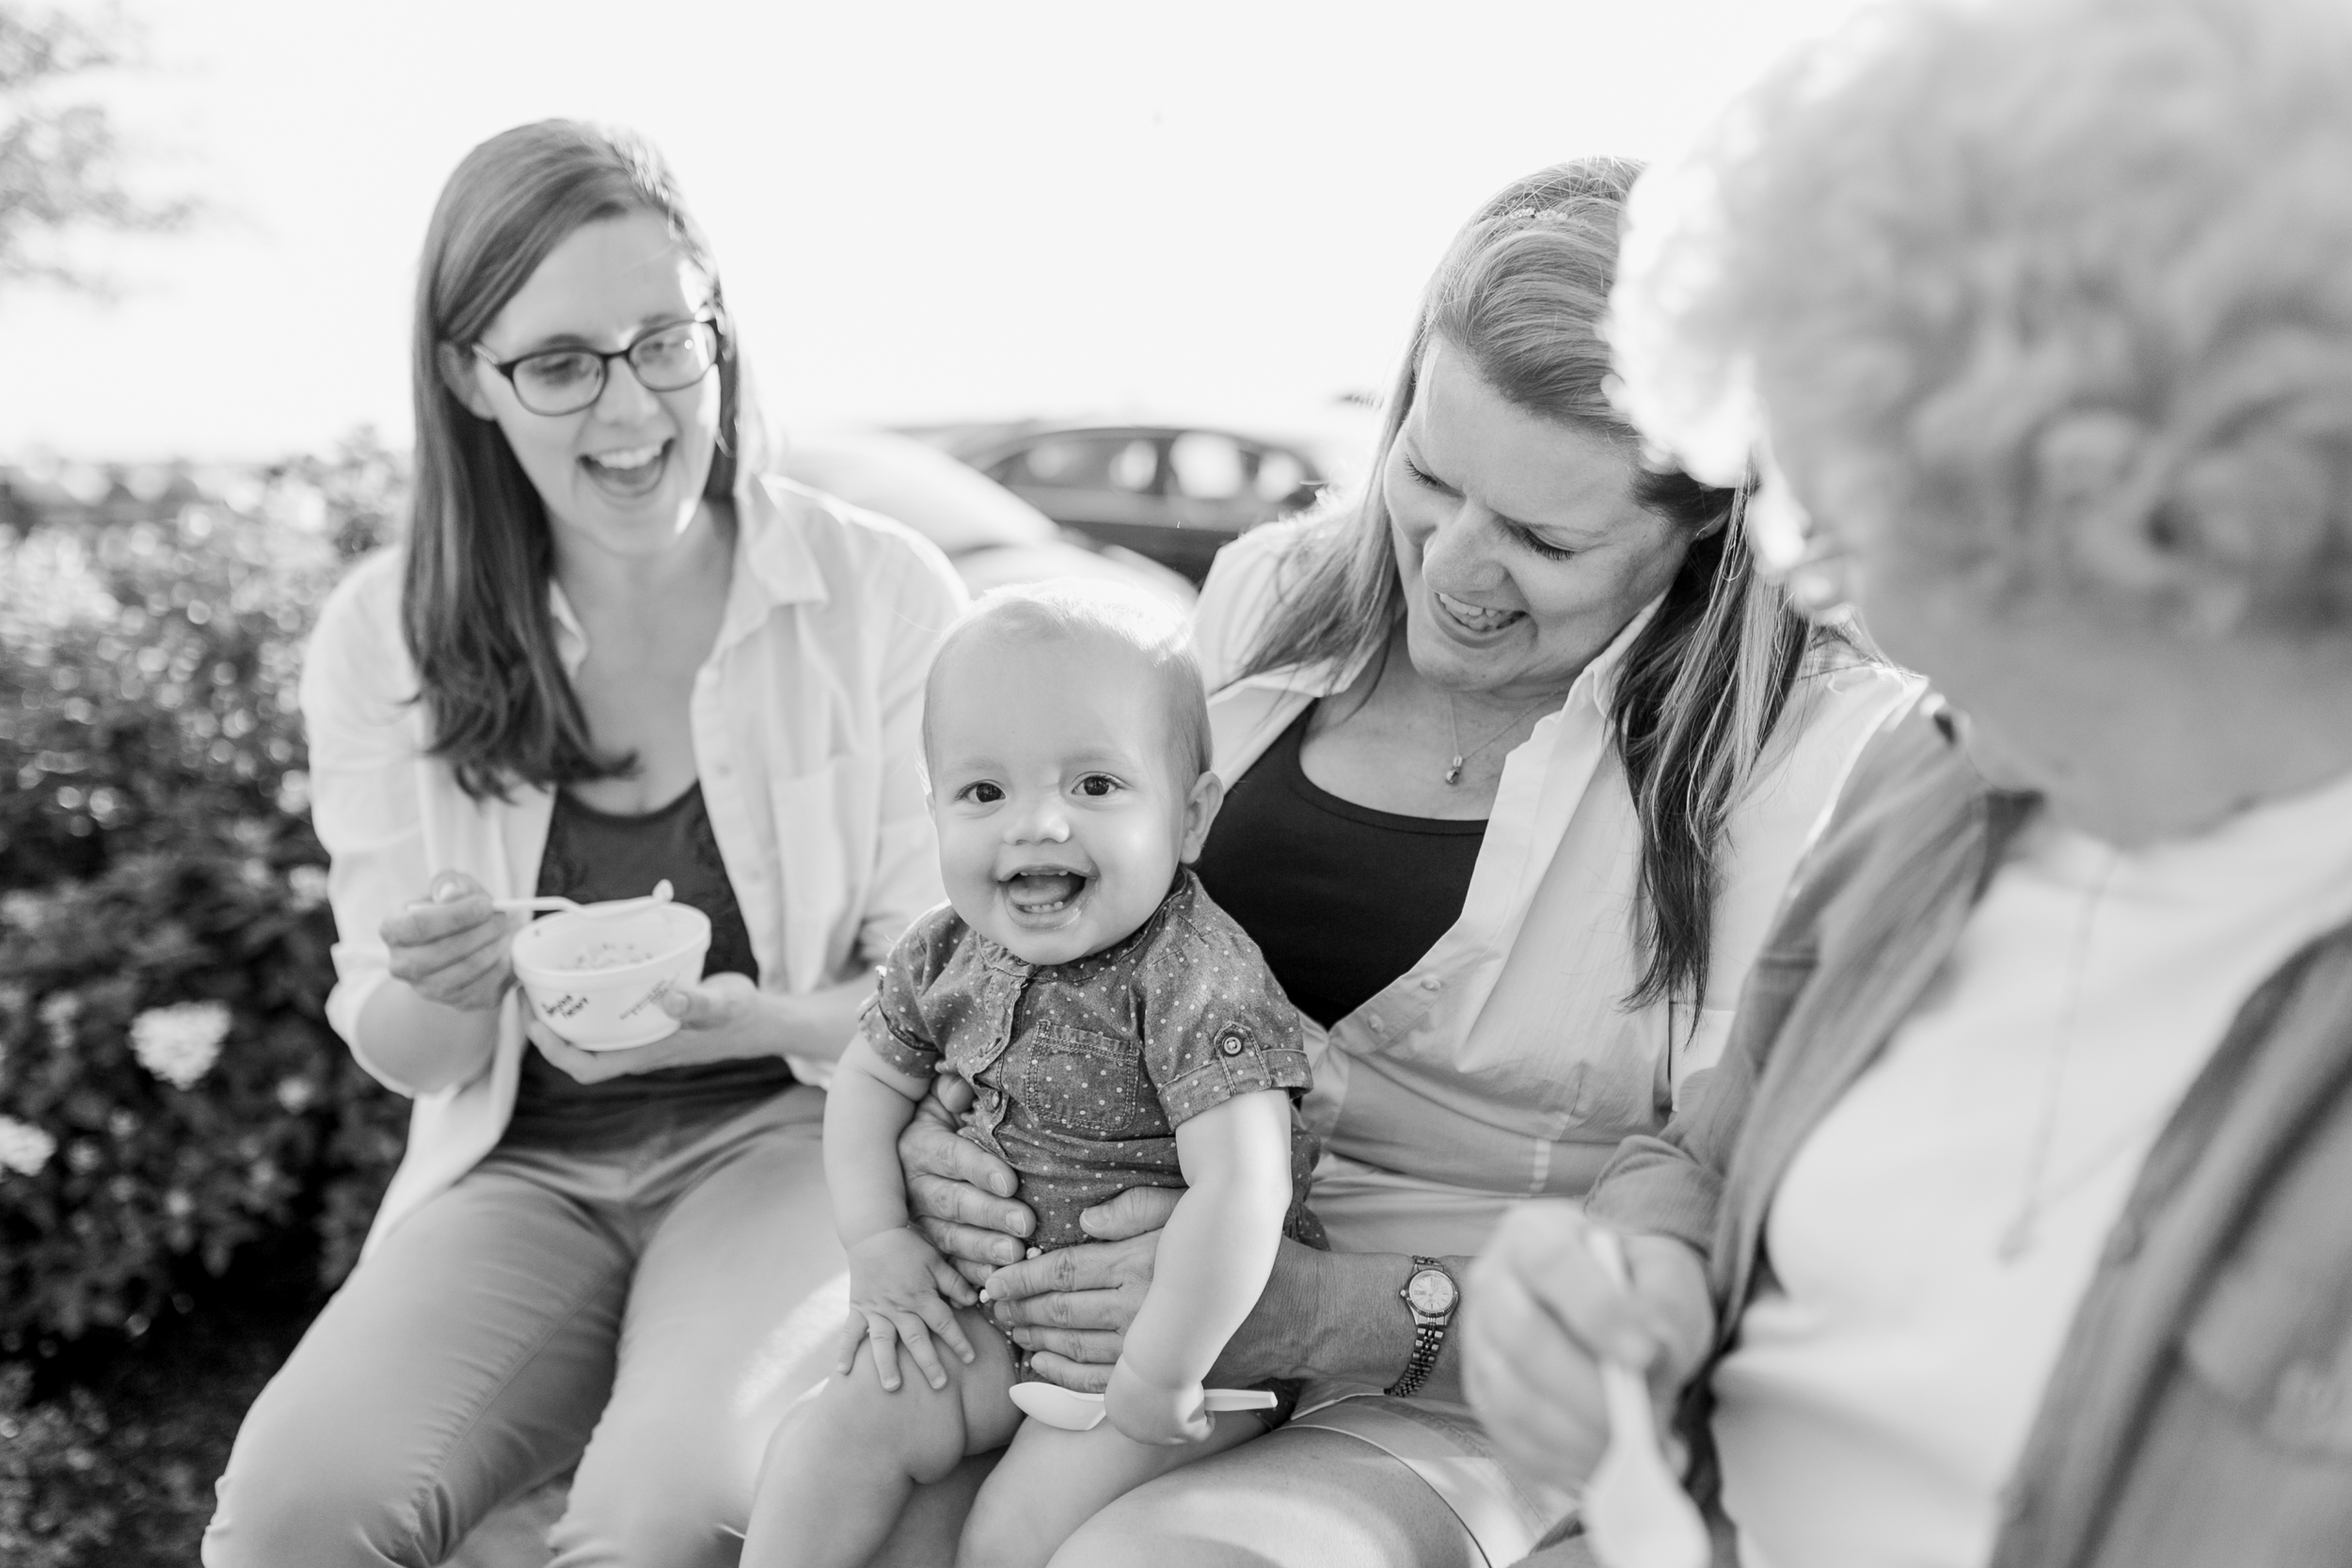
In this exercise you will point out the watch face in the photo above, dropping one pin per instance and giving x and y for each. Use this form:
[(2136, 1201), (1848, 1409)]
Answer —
[(1431, 1292)]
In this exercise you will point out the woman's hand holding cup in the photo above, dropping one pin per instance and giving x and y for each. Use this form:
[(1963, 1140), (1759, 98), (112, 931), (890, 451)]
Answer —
[(451, 947), (721, 1017), (1540, 1313)]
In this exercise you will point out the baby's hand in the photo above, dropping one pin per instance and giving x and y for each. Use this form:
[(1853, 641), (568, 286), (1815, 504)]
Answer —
[(1150, 1414), (901, 1291)]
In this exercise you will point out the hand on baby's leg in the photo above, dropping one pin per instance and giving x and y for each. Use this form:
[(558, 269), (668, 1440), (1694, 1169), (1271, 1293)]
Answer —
[(902, 1292)]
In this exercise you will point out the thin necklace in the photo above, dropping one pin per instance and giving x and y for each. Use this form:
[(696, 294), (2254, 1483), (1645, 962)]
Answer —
[(2024, 1229), (1454, 715)]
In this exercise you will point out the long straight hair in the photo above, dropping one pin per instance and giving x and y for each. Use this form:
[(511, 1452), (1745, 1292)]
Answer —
[(474, 604), (1520, 293)]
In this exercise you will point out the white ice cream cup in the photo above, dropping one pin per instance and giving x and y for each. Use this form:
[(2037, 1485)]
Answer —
[(599, 981)]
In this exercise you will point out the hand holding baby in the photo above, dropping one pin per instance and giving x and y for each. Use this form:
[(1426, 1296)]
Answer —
[(902, 1292)]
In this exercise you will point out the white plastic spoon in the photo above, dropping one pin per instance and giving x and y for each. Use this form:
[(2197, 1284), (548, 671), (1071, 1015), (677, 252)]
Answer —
[(1071, 1411), (661, 893), (1636, 1513)]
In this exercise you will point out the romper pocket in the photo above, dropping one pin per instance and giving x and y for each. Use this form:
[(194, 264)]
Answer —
[(1093, 1085)]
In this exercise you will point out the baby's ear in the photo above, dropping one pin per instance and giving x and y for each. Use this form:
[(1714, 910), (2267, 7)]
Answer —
[(1208, 793)]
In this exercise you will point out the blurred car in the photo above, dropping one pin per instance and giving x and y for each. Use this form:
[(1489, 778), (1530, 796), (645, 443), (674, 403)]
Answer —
[(992, 536), (1174, 493)]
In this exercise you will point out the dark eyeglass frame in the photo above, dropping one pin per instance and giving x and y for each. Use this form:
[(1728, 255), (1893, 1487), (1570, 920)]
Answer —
[(714, 320)]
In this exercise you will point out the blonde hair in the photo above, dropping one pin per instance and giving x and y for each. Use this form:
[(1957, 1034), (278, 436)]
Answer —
[(1130, 619), (1521, 293), (2048, 274)]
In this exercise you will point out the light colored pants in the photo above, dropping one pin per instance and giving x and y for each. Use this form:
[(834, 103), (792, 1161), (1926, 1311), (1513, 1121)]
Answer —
[(649, 1311)]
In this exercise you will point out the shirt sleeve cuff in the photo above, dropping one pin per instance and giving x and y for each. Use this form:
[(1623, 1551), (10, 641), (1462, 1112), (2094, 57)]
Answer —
[(349, 999), (815, 1072), (1655, 1189), (1224, 1078), (893, 1049)]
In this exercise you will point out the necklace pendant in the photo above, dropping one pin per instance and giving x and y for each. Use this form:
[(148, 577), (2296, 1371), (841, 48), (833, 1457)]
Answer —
[(1453, 771)]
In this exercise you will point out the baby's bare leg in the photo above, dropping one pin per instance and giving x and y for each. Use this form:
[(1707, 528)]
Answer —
[(844, 1462), (1050, 1481)]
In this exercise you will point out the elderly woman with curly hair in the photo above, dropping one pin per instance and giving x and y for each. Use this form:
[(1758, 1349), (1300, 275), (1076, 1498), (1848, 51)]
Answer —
[(2012, 1228)]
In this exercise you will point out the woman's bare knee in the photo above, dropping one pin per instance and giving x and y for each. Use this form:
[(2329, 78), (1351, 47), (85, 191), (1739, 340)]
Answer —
[(1166, 1523), (1297, 1499)]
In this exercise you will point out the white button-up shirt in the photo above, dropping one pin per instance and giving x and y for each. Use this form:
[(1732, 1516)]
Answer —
[(806, 720), (1504, 1063)]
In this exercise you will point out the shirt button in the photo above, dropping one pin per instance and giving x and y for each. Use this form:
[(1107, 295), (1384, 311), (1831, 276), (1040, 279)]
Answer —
[(1373, 1022), (1430, 982)]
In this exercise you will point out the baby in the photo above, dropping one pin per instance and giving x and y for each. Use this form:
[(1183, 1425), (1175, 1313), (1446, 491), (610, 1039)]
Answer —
[(1119, 1030)]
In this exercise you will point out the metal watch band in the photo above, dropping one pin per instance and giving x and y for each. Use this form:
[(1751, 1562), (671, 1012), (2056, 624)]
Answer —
[(1428, 1337)]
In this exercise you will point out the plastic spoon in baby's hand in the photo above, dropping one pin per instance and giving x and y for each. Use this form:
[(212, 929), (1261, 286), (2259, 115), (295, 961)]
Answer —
[(1073, 1411), (661, 893), (1636, 1513)]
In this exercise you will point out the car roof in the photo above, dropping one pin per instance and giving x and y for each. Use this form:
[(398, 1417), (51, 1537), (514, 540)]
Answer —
[(979, 440)]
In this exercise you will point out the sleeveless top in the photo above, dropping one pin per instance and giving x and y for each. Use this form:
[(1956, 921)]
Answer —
[(593, 855), (1341, 899)]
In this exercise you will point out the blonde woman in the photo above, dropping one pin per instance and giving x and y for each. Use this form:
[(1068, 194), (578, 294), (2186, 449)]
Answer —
[(2012, 1228), (1520, 755)]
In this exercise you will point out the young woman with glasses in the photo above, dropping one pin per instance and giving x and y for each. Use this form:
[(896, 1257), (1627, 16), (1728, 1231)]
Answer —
[(609, 653)]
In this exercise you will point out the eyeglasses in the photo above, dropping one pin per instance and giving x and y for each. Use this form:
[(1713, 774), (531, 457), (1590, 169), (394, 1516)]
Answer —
[(566, 380), (1812, 563)]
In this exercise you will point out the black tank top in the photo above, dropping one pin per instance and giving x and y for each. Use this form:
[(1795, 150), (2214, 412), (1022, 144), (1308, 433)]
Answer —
[(1341, 899), (592, 855)]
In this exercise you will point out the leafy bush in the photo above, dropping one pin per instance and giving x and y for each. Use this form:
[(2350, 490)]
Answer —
[(111, 1466), (147, 669), (57, 1478), (168, 1088)]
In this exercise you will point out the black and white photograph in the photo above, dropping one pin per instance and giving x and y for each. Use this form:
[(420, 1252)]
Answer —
[(1264, 783)]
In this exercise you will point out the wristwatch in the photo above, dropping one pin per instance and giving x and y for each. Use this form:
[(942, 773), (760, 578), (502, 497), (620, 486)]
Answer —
[(1431, 1296)]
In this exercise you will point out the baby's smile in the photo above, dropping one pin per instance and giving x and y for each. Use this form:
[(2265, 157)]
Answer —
[(1043, 894)]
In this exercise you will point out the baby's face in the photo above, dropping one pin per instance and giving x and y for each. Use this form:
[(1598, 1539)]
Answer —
[(1062, 814)]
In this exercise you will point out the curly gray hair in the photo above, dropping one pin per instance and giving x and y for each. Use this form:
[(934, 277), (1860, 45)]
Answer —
[(2058, 286)]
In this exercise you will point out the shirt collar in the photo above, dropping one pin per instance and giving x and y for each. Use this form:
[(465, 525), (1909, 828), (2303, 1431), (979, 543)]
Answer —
[(1600, 676), (772, 566)]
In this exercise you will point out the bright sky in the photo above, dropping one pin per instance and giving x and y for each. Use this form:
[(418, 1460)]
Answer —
[(922, 209)]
